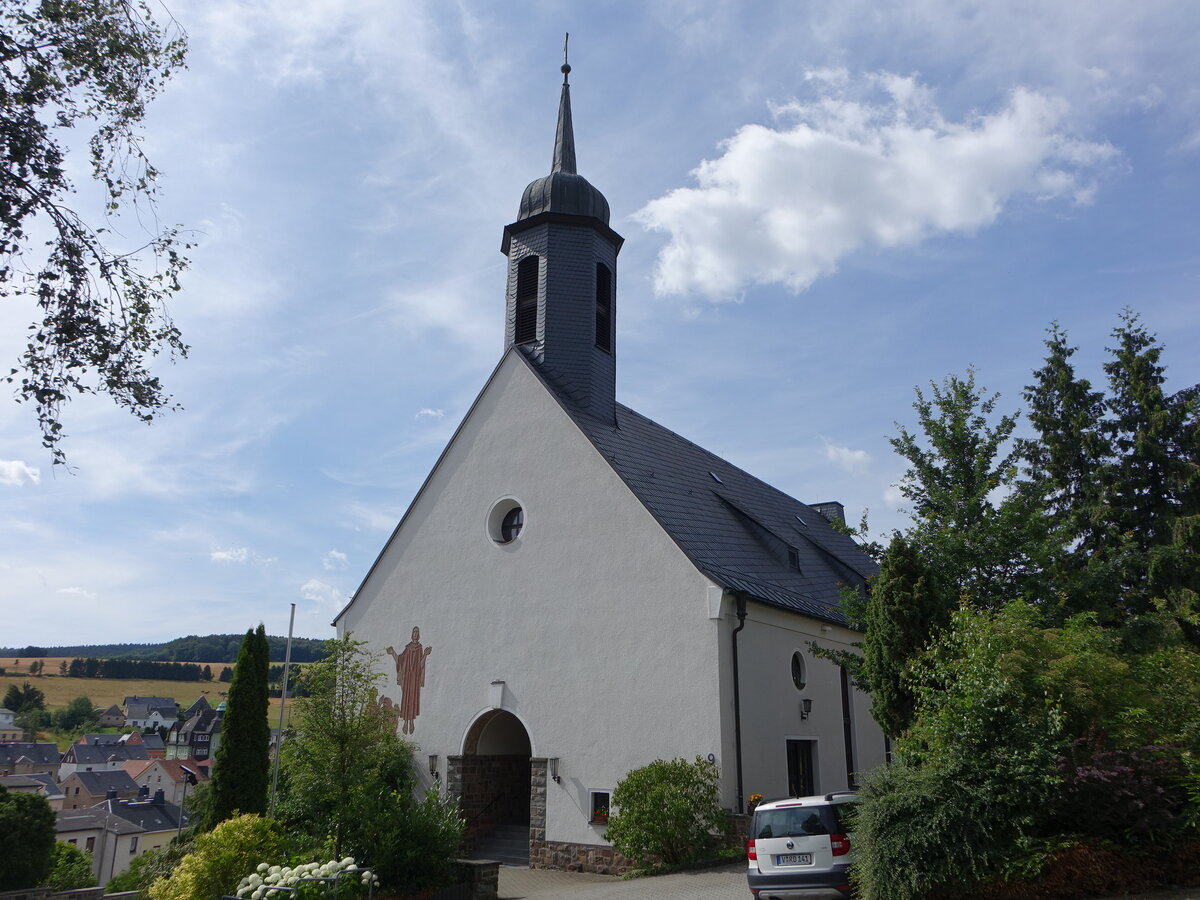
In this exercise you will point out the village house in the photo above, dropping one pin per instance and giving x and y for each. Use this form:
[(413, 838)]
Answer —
[(8, 727), (98, 757), (576, 591), (41, 784), (146, 713), (24, 758), (85, 789), (167, 775)]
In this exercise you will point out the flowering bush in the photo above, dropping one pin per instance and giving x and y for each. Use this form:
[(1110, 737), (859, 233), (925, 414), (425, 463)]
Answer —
[(280, 881), (220, 857)]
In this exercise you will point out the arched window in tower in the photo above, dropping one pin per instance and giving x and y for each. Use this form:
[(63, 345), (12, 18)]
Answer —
[(604, 300), (525, 329)]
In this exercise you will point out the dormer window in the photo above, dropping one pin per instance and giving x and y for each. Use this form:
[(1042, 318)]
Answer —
[(525, 327), (604, 307)]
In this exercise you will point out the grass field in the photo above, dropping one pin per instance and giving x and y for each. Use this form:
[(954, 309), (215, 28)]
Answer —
[(104, 692)]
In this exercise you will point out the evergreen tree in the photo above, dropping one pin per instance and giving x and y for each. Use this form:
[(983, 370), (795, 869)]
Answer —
[(904, 610), (1118, 474), (241, 767)]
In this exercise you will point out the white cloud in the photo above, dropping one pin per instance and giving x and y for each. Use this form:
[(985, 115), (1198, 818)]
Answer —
[(426, 413), (15, 471), (893, 498), (334, 559), (785, 205), (845, 458), (232, 555), (326, 596)]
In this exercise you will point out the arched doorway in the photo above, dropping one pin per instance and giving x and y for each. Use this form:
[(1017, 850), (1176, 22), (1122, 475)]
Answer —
[(492, 777)]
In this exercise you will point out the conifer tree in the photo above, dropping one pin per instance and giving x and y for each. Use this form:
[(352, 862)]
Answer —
[(904, 610), (241, 767)]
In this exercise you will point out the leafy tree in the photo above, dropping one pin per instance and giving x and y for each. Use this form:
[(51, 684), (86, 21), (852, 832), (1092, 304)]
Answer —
[(959, 465), (79, 712), (226, 674), (101, 315), (668, 812), (241, 767), (350, 781), (206, 674), (343, 745), (70, 868), (27, 823), (24, 698)]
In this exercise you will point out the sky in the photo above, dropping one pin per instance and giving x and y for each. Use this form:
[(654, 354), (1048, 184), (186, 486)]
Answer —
[(825, 205)]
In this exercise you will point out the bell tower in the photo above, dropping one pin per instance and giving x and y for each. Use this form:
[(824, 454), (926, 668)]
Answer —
[(561, 296)]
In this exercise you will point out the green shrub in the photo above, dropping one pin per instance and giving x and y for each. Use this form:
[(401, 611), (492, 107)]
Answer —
[(412, 844), (70, 868), (668, 812), (148, 867), (221, 858)]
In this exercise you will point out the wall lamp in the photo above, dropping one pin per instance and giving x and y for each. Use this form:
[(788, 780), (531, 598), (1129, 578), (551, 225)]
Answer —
[(805, 708), (433, 765), (553, 763)]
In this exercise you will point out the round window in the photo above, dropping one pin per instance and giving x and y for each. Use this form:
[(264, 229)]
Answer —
[(506, 520), (510, 525), (798, 678)]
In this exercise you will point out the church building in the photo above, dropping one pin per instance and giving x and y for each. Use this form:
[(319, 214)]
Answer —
[(576, 591)]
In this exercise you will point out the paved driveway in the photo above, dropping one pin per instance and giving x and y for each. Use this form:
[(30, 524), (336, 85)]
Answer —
[(727, 883)]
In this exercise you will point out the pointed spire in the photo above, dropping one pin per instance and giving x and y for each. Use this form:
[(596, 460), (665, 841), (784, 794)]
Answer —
[(564, 135)]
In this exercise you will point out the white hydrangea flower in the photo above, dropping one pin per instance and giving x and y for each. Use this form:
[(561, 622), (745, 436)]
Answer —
[(262, 867)]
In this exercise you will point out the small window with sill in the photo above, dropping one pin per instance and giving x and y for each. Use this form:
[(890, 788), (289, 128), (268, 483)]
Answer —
[(599, 805)]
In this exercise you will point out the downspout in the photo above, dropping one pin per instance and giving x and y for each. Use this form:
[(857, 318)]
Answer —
[(737, 701)]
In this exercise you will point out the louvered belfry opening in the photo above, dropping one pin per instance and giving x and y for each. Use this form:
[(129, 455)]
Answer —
[(604, 307), (525, 327)]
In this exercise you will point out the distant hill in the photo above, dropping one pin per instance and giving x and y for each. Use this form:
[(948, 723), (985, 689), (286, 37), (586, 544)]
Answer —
[(214, 648)]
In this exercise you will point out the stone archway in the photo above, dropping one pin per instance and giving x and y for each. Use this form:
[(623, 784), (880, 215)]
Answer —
[(492, 777)]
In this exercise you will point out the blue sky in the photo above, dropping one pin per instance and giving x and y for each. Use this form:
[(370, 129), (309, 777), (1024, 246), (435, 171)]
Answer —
[(824, 205)]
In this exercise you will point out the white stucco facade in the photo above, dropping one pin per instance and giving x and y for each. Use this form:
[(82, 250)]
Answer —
[(593, 618), (612, 649)]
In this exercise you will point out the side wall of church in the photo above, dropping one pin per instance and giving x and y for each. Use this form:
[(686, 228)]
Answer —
[(593, 619), (771, 704)]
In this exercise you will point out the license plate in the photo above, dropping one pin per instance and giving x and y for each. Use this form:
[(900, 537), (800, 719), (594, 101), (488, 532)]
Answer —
[(793, 859)]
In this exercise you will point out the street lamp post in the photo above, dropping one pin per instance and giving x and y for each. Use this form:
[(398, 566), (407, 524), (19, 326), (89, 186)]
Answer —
[(189, 777)]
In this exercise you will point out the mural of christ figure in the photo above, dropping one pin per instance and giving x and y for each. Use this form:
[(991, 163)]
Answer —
[(410, 675)]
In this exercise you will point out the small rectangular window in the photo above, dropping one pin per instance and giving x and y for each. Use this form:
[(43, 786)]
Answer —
[(133, 844), (91, 844), (525, 326), (600, 805), (603, 307), (793, 559)]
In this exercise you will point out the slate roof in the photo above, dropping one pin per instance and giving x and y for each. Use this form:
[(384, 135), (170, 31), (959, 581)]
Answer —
[(100, 754), (149, 815), (97, 817), (738, 530), (100, 783), (46, 754)]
